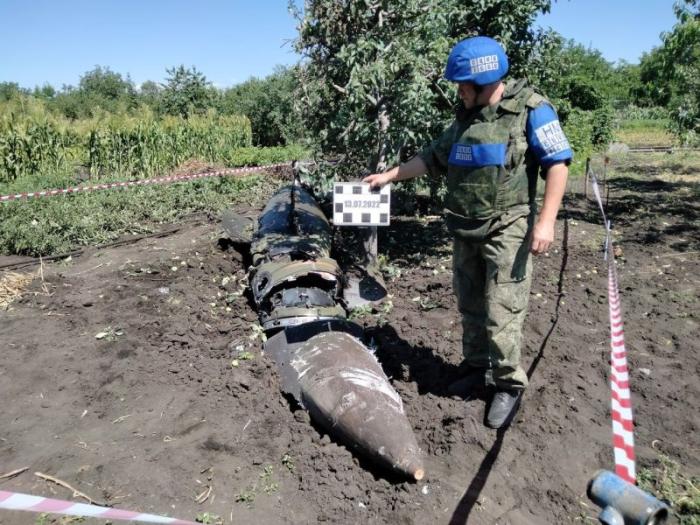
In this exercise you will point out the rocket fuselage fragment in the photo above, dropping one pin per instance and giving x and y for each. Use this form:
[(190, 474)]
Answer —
[(293, 279), (297, 289)]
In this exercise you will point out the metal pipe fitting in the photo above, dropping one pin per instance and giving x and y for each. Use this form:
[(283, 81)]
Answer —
[(624, 503)]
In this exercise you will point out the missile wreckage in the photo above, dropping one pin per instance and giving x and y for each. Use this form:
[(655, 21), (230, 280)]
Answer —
[(297, 289)]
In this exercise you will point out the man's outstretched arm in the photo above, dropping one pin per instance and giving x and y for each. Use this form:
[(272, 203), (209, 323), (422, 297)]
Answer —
[(408, 170)]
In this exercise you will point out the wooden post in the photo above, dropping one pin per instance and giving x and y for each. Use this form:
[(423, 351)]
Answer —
[(605, 182), (371, 246)]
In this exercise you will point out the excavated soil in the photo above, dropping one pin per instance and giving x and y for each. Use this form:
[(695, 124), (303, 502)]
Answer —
[(135, 375)]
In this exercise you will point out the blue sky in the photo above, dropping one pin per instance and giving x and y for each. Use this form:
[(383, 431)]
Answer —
[(229, 41)]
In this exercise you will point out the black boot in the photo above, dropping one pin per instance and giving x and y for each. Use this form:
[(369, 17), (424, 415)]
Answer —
[(503, 407)]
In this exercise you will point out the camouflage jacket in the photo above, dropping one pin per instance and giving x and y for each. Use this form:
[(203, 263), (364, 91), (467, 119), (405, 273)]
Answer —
[(485, 153)]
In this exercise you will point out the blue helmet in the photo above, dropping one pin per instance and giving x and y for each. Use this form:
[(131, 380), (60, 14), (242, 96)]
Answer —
[(479, 59)]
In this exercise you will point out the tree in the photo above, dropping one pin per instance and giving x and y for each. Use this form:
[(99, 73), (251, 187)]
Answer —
[(104, 88), (46, 92), (150, 93), (10, 90), (371, 88), (70, 103), (105, 83), (681, 64), (186, 92), (670, 73), (269, 104), (99, 88), (655, 84), (573, 75)]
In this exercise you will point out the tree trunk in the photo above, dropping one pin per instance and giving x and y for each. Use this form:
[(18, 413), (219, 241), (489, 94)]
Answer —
[(369, 243)]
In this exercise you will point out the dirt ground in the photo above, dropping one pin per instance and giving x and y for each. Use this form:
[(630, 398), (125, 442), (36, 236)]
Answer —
[(135, 374)]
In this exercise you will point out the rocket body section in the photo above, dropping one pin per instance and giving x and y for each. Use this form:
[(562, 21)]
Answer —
[(293, 279), (297, 288)]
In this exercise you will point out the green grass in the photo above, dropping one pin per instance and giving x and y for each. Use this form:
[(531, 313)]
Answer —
[(208, 518), (665, 480), (645, 132), (679, 166), (59, 224)]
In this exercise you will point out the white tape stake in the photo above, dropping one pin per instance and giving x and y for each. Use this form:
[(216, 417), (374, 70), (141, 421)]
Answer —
[(29, 503), (621, 409), (140, 182)]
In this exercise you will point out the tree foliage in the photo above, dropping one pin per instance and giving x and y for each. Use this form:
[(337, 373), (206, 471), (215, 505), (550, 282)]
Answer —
[(372, 88), (106, 86), (10, 90), (681, 64), (186, 92), (150, 94), (576, 76), (269, 104), (670, 73), (98, 89)]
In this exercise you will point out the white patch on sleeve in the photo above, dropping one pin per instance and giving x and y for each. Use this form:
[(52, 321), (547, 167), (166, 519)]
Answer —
[(552, 138)]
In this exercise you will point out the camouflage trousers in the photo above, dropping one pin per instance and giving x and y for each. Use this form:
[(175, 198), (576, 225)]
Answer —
[(492, 278)]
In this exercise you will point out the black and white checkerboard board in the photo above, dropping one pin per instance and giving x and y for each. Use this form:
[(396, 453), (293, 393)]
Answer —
[(354, 204)]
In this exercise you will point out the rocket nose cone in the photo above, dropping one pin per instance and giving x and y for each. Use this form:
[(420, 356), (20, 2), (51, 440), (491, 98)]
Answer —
[(412, 467), (346, 390)]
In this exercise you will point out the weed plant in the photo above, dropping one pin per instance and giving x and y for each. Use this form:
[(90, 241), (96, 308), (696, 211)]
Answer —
[(666, 480)]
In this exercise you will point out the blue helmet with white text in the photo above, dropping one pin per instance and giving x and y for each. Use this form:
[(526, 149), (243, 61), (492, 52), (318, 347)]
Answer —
[(479, 59)]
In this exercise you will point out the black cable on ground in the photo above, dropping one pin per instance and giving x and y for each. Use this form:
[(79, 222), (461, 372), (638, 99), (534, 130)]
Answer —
[(560, 295)]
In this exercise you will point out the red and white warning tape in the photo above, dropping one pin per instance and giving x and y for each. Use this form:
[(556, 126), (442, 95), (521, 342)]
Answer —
[(27, 502), (140, 182), (621, 410)]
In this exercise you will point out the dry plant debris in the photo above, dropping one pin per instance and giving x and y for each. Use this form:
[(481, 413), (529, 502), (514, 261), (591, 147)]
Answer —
[(12, 286)]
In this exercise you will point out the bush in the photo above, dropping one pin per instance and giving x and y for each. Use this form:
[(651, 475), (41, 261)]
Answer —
[(602, 127), (579, 130)]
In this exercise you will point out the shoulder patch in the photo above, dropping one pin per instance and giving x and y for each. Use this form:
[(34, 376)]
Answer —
[(546, 137), (535, 100)]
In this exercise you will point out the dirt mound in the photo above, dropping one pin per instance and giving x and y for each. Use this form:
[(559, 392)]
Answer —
[(174, 397)]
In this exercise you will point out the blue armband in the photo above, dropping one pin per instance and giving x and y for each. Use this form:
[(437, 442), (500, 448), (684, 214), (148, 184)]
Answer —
[(546, 138)]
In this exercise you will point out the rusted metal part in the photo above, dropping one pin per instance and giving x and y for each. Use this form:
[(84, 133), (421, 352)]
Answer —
[(292, 224), (297, 289)]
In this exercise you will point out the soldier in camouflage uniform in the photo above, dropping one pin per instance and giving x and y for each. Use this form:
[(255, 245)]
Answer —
[(503, 136)]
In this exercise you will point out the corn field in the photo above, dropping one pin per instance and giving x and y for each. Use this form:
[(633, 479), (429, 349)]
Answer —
[(128, 148), (32, 147)]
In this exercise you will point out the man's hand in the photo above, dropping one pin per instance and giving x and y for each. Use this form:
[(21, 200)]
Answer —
[(543, 232), (413, 168), (378, 180), (542, 237)]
